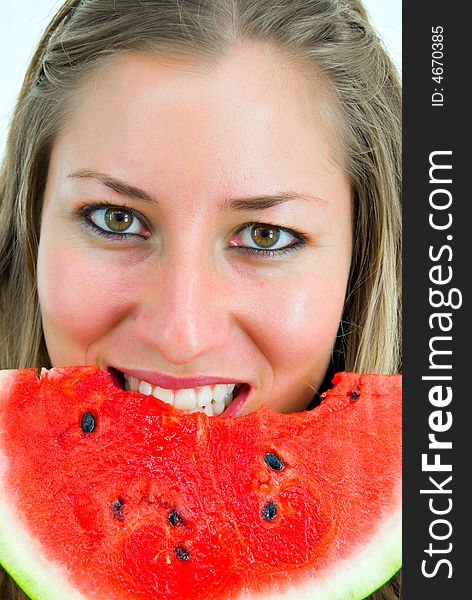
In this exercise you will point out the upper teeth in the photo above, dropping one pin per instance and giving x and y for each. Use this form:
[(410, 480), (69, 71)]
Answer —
[(210, 399)]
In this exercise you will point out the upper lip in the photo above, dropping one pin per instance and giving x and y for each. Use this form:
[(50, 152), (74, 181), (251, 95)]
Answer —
[(174, 383)]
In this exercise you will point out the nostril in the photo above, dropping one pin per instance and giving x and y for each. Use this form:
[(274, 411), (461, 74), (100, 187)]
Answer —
[(117, 378)]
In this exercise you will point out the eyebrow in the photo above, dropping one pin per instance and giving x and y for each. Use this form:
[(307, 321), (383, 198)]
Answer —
[(265, 201), (116, 185), (250, 203)]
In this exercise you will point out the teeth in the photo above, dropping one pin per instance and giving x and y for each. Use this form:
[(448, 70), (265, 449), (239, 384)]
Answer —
[(133, 383), (227, 399), (208, 410), (220, 392), (185, 399), (145, 388), (218, 406), (212, 400), (204, 396), (166, 396)]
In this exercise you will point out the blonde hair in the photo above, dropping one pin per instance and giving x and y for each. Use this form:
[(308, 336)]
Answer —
[(333, 36)]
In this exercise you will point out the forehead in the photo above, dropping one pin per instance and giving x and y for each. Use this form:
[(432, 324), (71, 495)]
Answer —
[(251, 114)]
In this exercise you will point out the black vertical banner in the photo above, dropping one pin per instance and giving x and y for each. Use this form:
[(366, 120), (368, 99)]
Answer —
[(438, 250)]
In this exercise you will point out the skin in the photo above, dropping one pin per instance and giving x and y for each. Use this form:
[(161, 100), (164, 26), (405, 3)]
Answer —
[(181, 297)]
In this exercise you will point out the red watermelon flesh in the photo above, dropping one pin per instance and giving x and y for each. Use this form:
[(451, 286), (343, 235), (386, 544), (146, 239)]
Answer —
[(113, 495)]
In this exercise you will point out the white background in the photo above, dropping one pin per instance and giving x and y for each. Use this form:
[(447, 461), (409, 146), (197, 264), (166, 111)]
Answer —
[(22, 22)]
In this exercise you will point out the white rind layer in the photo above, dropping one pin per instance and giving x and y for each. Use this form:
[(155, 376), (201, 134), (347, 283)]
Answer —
[(24, 560), (39, 578)]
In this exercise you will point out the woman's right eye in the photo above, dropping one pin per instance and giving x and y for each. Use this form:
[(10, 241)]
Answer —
[(115, 221)]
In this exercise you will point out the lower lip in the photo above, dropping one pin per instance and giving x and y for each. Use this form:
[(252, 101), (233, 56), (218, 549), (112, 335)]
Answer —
[(237, 405)]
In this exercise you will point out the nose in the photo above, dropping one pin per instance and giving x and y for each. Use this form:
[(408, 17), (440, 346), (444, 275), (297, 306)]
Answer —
[(184, 314)]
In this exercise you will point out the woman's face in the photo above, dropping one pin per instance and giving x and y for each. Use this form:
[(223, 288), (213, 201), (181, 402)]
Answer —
[(197, 232)]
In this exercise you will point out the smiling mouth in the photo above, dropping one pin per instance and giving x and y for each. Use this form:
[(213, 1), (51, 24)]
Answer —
[(213, 400)]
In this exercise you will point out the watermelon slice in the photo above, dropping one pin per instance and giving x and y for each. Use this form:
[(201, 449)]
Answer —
[(112, 495)]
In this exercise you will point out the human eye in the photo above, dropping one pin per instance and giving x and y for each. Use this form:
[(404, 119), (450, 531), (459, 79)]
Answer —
[(114, 222), (266, 240)]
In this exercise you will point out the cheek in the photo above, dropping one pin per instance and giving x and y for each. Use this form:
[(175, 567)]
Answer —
[(306, 320), (297, 327), (78, 301), (302, 306)]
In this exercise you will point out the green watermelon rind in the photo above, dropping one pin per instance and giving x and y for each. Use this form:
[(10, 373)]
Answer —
[(25, 562)]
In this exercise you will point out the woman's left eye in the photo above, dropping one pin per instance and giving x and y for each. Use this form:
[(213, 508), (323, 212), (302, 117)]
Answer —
[(262, 238), (114, 221)]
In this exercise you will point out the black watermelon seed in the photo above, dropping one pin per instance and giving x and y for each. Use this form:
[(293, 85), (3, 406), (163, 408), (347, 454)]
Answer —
[(174, 518), (273, 461), (181, 553), (117, 509), (269, 511), (354, 394), (88, 422)]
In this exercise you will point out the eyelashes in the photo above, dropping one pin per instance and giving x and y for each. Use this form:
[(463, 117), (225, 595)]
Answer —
[(114, 222), (121, 223), (267, 240)]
